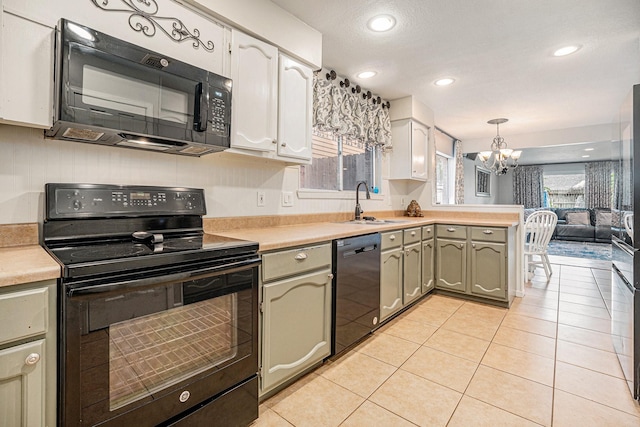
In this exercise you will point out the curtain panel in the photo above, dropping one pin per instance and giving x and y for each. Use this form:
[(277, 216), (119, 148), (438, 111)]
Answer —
[(527, 186), (339, 110), (597, 185), (459, 183)]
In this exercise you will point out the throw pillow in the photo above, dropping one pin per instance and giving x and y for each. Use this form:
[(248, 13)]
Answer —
[(578, 218), (603, 219)]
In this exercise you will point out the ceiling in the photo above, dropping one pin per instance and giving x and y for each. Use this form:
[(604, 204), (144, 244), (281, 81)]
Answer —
[(571, 153), (499, 52)]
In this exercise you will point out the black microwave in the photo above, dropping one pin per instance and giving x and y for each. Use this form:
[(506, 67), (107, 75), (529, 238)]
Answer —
[(111, 92)]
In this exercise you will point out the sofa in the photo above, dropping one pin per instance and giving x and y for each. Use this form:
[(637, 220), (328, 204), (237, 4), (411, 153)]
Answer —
[(586, 225)]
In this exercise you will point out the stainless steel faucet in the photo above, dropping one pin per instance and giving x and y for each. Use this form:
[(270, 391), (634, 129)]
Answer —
[(358, 208)]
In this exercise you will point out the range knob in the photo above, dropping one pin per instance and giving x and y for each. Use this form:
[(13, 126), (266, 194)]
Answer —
[(189, 205), (77, 205)]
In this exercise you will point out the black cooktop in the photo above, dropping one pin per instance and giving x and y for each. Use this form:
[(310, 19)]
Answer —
[(96, 230)]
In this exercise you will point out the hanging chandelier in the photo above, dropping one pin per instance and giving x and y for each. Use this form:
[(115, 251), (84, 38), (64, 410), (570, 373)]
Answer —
[(500, 158)]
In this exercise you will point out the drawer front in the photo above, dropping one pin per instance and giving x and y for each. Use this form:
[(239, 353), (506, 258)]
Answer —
[(295, 261), (452, 231), (391, 239), (412, 235), (23, 314), (428, 232), (489, 234)]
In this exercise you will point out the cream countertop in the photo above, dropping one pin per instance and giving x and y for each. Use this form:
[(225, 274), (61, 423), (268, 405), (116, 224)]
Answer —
[(31, 263), (271, 238), (26, 264)]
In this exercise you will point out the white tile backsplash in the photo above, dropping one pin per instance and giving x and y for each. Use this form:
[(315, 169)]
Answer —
[(230, 181)]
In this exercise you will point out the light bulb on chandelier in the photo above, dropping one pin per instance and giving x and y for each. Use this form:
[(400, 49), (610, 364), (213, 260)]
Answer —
[(500, 158)]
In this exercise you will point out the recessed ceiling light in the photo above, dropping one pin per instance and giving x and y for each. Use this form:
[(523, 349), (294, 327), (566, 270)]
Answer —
[(366, 74), (567, 50), (444, 82), (585, 156), (381, 23), (589, 149)]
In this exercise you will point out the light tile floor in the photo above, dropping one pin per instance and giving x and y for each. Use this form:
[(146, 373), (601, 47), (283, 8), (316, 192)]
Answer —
[(447, 362)]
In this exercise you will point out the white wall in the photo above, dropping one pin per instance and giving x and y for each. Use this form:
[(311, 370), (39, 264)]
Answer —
[(470, 197), (231, 181)]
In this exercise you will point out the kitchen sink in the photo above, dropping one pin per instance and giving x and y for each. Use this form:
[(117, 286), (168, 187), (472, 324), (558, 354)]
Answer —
[(375, 221)]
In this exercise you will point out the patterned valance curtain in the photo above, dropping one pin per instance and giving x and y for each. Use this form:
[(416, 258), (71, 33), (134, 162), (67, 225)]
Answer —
[(527, 186), (597, 184), (338, 109), (459, 173)]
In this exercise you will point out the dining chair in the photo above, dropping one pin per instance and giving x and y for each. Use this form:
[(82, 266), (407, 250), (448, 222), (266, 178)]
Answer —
[(538, 229), (628, 225)]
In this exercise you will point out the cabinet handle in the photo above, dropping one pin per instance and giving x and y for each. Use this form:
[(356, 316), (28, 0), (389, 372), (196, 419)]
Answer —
[(274, 141), (392, 237), (32, 359), (473, 245), (462, 245), (428, 230), (301, 256), (284, 144), (330, 275), (488, 232), (406, 252), (451, 229), (413, 233)]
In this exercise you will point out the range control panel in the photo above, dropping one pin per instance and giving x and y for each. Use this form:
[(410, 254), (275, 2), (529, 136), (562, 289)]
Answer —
[(93, 200)]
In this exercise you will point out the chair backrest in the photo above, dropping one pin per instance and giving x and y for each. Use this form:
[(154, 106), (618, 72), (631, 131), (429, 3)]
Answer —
[(539, 226), (628, 224)]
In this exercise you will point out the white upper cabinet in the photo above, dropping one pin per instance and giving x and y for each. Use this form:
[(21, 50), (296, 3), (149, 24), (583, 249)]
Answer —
[(272, 102), (409, 158), (295, 109), (254, 71), (26, 71)]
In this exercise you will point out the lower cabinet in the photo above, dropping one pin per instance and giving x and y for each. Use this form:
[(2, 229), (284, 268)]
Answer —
[(400, 270), (412, 280), (391, 288), (28, 355), (428, 256), (451, 270), (296, 313), (473, 261)]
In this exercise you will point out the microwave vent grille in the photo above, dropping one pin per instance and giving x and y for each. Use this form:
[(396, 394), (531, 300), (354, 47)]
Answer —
[(154, 61)]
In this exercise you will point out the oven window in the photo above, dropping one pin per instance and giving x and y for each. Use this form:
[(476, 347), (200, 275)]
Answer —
[(152, 352)]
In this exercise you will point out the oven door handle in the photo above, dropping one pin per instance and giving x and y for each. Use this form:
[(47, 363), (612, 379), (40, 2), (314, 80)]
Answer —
[(163, 280)]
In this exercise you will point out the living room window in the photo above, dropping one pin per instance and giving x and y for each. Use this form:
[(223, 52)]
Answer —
[(339, 163), (564, 189)]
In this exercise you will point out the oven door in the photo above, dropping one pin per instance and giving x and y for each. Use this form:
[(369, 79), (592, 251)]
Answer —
[(151, 350)]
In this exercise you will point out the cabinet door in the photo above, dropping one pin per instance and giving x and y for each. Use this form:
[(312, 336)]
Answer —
[(22, 385), (26, 72), (296, 326), (419, 147), (295, 104), (427, 265), (412, 282), (391, 282), (451, 265), (489, 269), (254, 71)]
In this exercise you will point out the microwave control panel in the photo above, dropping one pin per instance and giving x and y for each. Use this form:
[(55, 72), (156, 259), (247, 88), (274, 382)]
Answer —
[(219, 108)]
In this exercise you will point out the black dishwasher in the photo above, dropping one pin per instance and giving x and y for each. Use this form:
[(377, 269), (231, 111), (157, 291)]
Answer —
[(356, 289)]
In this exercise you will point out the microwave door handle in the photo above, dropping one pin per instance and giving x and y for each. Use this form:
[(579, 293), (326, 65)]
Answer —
[(199, 122)]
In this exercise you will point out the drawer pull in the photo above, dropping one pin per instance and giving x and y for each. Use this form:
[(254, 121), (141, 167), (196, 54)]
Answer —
[(451, 229), (301, 256), (32, 359), (488, 232), (392, 237), (413, 233), (428, 230)]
